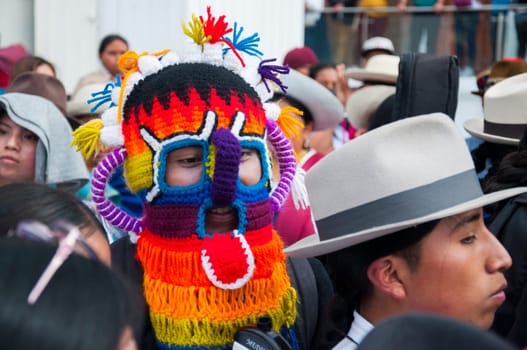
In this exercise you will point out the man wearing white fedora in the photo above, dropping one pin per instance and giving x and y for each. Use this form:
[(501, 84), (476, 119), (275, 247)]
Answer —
[(505, 123), (380, 69), (406, 232)]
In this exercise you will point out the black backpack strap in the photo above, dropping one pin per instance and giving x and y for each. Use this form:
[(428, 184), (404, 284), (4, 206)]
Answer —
[(314, 289), (303, 280)]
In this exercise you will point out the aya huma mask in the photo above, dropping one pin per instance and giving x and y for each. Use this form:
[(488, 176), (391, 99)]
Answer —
[(201, 285)]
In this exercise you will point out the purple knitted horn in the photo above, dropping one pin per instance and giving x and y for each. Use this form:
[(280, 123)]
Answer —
[(226, 167), (286, 162), (101, 175)]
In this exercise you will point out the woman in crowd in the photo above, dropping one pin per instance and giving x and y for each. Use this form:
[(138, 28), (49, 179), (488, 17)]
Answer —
[(35, 64), (32, 201), (82, 306), (34, 144), (111, 48)]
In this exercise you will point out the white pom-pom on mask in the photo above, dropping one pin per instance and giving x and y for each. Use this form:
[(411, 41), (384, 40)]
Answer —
[(272, 110), (213, 54), (250, 75), (149, 65), (169, 59), (263, 92), (112, 136), (231, 62), (192, 53), (109, 117)]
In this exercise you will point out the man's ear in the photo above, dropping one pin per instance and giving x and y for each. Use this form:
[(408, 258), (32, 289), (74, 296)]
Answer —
[(383, 273)]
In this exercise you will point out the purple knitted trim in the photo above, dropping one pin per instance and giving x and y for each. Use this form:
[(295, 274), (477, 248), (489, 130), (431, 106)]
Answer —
[(101, 175), (226, 167), (286, 161), (258, 215), (180, 221), (171, 220)]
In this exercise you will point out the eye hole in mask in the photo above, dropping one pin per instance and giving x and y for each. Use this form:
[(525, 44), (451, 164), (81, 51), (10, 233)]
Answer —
[(184, 166)]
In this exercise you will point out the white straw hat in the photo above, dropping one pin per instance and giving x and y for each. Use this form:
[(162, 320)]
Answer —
[(364, 102), (379, 68), (377, 43), (403, 174), (504, 112)]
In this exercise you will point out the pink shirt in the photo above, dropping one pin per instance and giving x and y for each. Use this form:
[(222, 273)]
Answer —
[(294, 224)]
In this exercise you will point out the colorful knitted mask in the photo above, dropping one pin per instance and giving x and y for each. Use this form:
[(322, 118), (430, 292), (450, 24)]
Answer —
[(201, 285)]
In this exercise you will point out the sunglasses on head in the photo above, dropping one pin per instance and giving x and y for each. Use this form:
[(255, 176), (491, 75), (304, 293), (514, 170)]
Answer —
[(69, 240), (38, 231)]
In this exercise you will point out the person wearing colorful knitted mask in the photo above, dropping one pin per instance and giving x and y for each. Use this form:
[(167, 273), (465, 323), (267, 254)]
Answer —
[(191, 127)]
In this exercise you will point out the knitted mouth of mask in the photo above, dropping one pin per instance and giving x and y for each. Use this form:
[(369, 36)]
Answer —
[(212, 262)]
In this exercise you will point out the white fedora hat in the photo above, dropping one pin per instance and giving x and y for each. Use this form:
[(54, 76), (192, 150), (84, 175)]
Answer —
[(379, 68), (504, 112), (326, 109), (403, 174), (377, 43), (364, 102)]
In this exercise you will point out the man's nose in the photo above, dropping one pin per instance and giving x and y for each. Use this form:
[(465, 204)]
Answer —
[(499, 259), (226, 167)]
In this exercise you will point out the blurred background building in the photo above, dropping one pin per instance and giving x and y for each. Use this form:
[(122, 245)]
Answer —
[(68, 32)]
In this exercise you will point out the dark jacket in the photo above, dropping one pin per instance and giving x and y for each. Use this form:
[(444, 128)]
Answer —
[(510, 227)]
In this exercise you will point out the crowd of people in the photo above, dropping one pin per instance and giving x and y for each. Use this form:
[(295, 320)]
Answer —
[(337, 29), (205, 197)]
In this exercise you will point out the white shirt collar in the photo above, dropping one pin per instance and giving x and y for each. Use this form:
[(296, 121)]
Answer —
[(360, 327)]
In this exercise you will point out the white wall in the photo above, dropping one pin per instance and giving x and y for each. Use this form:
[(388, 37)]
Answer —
[(16, 23), (156, 24), (67, 32), (66, 35)]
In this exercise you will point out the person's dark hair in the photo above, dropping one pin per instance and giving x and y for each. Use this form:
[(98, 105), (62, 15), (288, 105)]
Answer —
[(510, 172), (307, 117), (489, 153), (348, 269), (28, 64), (412, 331), (33, 201), (316, 68), (107, 40), (383, 115), (379, 51), (84, 306)]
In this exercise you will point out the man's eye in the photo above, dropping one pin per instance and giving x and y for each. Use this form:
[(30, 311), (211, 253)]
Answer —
[(191, 160), (247, 153), (469, 239)]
